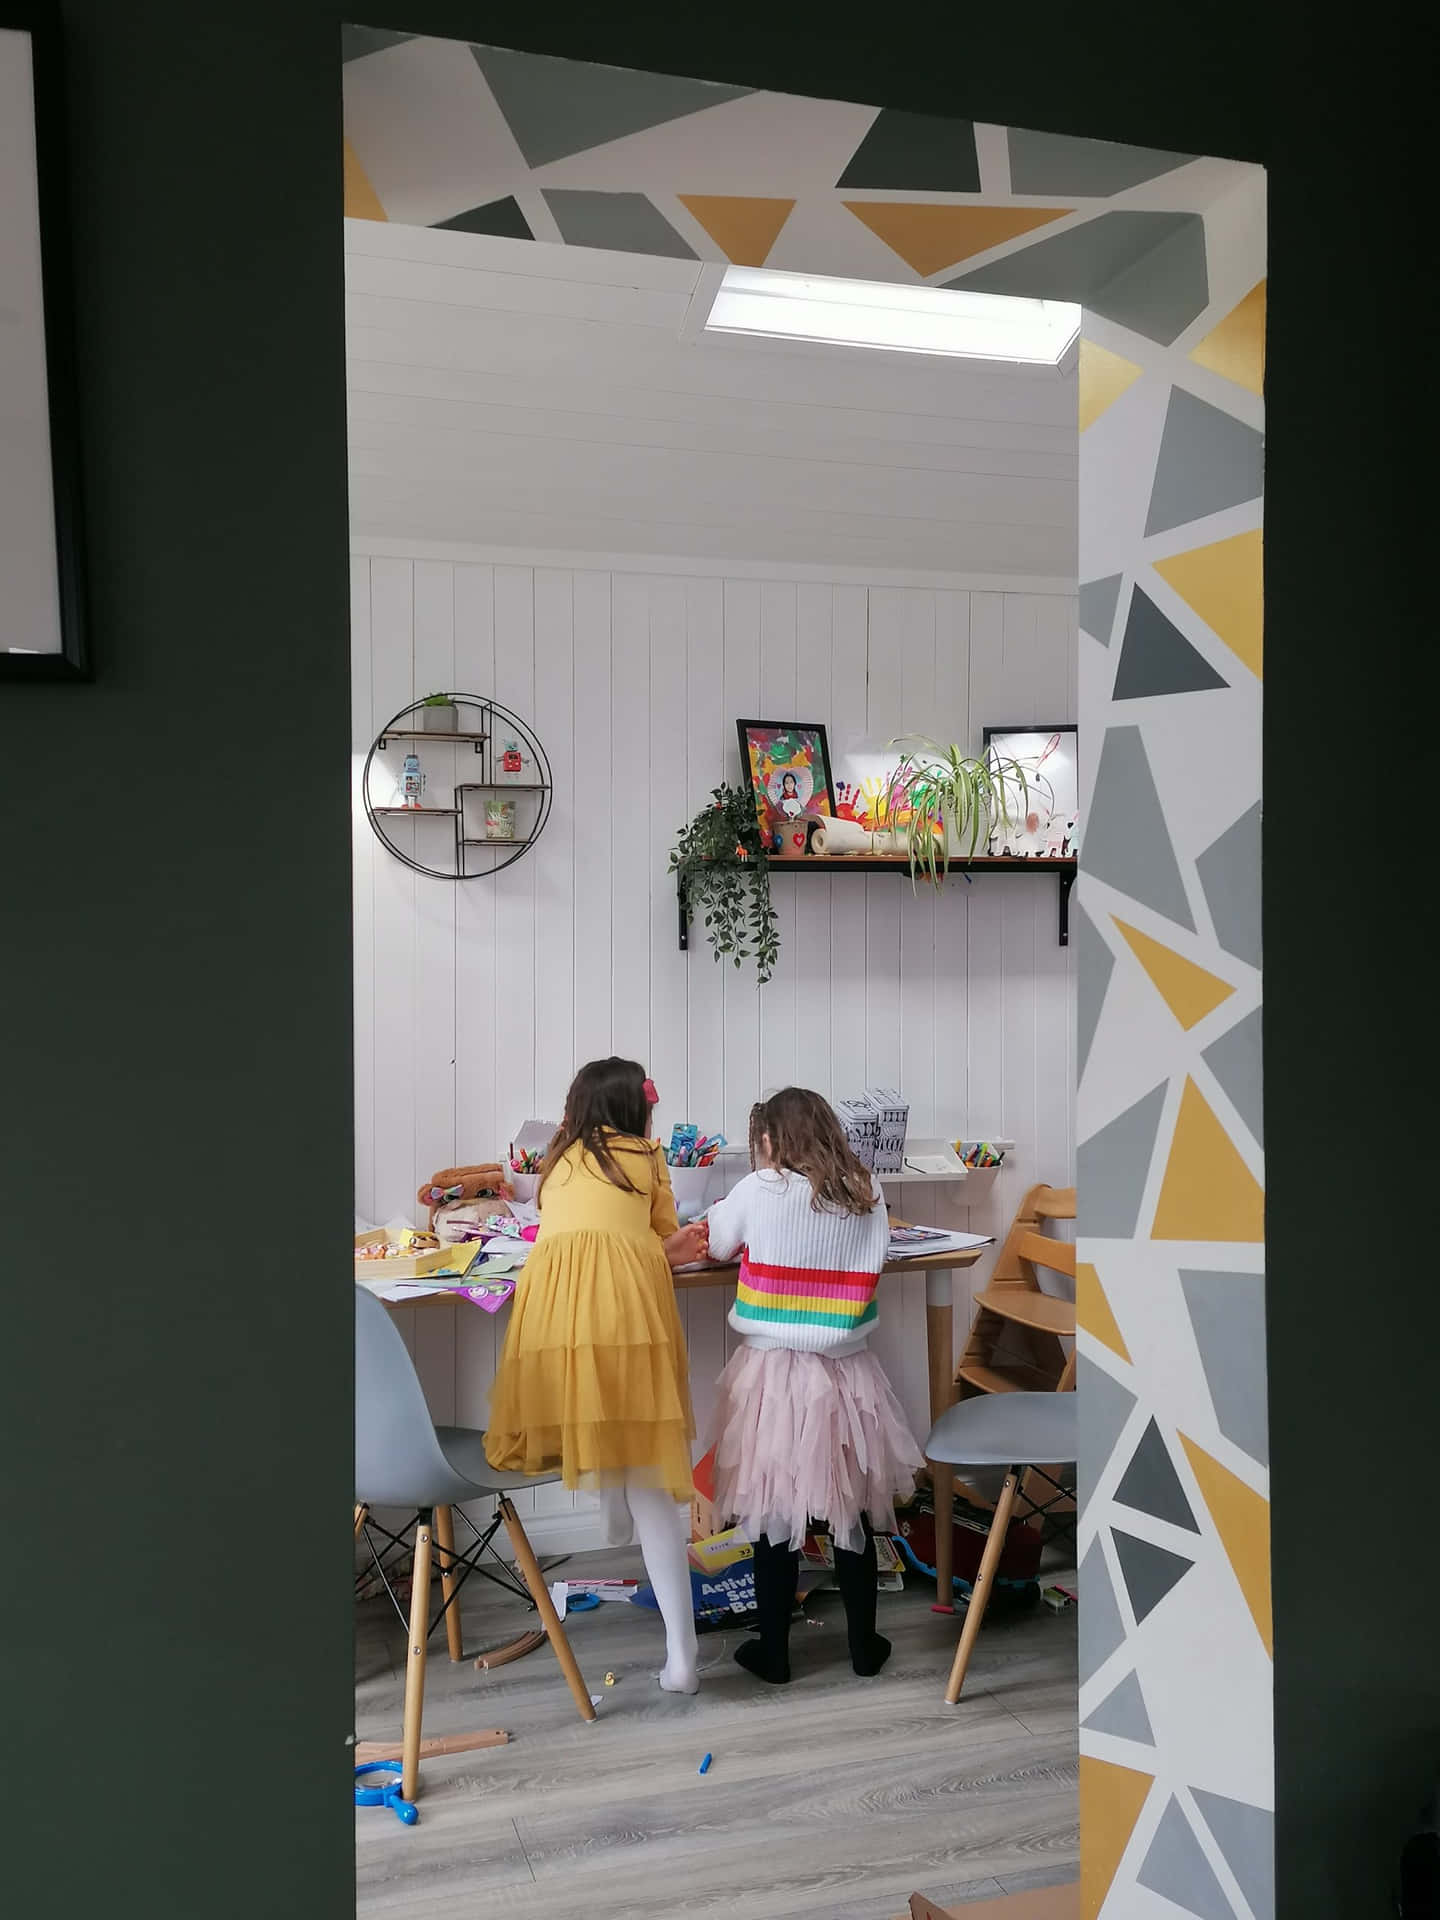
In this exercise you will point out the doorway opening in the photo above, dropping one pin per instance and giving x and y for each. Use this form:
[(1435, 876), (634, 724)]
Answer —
[(575, 496)]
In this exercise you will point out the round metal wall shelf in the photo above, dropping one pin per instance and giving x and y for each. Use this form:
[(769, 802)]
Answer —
[(444, 836)]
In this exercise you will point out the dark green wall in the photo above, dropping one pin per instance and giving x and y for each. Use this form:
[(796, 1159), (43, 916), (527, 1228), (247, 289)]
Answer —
[(175, 928)]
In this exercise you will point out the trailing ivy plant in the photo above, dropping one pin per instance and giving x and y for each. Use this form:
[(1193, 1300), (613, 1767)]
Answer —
[(721, 868)]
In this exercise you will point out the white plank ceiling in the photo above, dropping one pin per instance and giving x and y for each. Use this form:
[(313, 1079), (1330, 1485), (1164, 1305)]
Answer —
[(511, 393)]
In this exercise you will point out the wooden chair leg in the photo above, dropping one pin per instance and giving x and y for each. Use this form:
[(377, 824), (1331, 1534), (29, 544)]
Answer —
[(360, 1512), (415, 1661), (545, 1606), (449, 1586), (984, 1579)]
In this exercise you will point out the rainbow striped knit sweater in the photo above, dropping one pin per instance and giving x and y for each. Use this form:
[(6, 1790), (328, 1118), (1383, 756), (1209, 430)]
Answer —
[(807, 1277)]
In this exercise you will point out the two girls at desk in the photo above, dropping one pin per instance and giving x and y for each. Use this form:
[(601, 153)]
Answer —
[(593, 1380)]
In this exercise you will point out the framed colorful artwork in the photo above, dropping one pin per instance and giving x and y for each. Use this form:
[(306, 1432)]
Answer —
[(788, 766), (1048, 828), (41, 621)]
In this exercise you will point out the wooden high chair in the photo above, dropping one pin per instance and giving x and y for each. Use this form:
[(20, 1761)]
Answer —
[(1015, 1343)]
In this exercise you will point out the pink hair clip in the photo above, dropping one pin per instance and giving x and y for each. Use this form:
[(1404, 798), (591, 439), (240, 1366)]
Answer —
[(651, 1096)]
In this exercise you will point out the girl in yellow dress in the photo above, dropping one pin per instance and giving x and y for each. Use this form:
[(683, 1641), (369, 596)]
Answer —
[(594, 1376)]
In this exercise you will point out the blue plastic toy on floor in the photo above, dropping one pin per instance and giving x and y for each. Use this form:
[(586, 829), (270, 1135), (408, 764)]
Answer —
[(386, 1795)]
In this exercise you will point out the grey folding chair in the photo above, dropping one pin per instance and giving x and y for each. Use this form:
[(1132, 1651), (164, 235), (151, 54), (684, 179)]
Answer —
[(1013, 1431), (402, 1459)]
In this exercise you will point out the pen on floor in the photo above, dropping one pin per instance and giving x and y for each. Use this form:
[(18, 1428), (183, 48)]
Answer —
[(705, 1764)]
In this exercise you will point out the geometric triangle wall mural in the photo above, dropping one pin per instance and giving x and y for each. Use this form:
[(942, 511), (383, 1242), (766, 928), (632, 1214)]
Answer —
[(1242, 1520), (1235, 349), (1225, 584), (1187, 990), (1208, 1192), (928, 238), (744, 228)]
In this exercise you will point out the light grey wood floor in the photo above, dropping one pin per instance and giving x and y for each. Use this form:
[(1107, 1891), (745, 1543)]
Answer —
[(832, 1799)]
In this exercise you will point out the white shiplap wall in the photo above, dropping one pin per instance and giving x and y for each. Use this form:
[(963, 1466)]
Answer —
[(474, 1004)]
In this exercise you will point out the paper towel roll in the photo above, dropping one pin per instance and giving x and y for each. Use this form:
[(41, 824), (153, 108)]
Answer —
[(848, 836)]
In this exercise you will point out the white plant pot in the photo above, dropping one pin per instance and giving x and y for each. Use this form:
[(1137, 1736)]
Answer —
[(694, 1189), (440, 719)]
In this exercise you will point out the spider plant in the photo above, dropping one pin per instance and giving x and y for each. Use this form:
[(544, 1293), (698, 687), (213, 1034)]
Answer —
[(939, 796)]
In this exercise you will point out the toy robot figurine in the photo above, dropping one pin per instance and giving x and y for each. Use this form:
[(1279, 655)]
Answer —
[(412, 781)]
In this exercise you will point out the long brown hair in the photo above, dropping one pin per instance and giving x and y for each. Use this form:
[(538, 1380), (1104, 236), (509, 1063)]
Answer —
[(606, 1099), (805, 1137)]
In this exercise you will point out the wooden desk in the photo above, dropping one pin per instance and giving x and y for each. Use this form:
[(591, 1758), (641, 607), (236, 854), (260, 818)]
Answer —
[(939, 1270)]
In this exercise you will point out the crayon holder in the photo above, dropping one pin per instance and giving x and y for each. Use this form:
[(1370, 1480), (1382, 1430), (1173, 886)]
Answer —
[(695, 1188)]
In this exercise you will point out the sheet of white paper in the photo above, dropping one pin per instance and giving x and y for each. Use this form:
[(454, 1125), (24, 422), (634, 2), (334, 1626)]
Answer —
[(949, 1243), (560, 1594)]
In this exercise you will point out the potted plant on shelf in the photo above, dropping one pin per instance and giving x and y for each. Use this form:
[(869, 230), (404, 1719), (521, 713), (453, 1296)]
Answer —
[(947, 802), (439, 713), (720, 866)]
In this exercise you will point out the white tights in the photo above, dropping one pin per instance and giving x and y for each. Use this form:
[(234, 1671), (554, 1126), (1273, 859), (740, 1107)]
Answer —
[(662, 1530)]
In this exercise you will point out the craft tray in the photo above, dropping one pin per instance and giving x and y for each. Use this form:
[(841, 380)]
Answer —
[(404, 1266)]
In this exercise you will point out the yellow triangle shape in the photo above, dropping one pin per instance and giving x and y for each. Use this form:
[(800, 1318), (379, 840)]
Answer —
[(1189, 991), (1104, 376), (1242, 1520), (1235, 349), (1225, 584), (744, 229), (1208, 1193), (361, 200), (1093, 1314), (928, 238), (1110, 1801)]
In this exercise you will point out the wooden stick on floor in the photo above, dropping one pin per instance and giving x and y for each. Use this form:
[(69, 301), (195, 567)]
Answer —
[(442, 1743), (415, 1661), (449, 1586), (984, 1579), (545, 1606)]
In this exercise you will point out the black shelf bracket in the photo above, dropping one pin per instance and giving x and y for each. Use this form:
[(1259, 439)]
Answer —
[(1067, 882)]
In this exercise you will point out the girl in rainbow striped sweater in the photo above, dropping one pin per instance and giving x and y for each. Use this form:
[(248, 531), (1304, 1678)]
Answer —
[(807, 1427)]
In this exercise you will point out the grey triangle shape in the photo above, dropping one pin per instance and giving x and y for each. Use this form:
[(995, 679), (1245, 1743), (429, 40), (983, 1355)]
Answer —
[(1176, 1868), (1122, 1714), (1236, 1060), (1127, 843), (356, 42), (616, 222), (1111, 1169), (1157, 659), (1098, 601), (556, 108), (1227, 1319), (1072, 166), (1094, 964), (1104, 1407), (1144, 271), (914, 153), (1246, 1837), (500, 217), (1102, 1629), (1150, 1572), (1229, 873), (1208, 461), (1151, 1485)]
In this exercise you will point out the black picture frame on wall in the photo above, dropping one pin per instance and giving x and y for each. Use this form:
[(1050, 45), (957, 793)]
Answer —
[(1008, 743), (811, 789), (34, 214)]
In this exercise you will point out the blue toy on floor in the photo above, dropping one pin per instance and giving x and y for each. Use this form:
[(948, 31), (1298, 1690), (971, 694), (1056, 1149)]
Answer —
[(387, 1795)]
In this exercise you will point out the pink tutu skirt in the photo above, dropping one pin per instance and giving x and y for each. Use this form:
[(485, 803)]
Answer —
[(802, 1437)]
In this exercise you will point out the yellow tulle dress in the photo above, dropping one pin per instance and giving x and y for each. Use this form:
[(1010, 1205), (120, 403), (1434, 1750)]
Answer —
[(594, 1377)]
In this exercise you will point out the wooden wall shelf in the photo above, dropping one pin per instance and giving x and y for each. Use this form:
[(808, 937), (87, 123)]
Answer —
[(898, 863)]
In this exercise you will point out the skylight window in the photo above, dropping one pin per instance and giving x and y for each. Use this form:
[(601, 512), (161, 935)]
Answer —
[(867, 313)]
